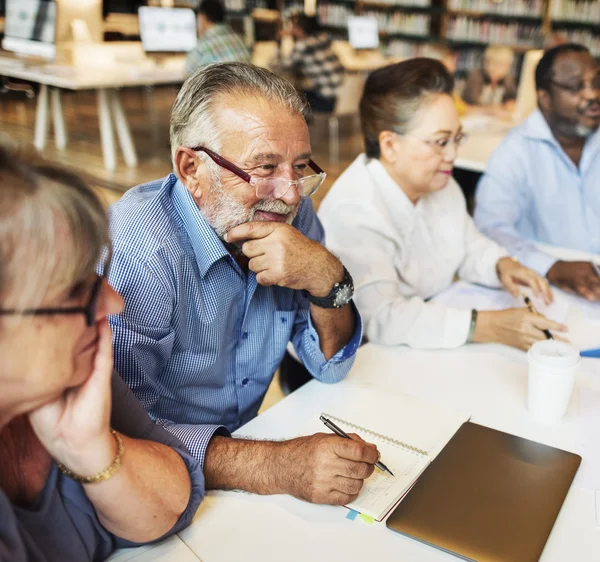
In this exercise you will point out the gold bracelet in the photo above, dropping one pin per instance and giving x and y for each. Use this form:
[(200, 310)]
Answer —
[(100, 476)]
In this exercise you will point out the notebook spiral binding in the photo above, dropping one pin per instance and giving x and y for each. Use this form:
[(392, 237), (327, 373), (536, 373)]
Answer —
[(364, 431)]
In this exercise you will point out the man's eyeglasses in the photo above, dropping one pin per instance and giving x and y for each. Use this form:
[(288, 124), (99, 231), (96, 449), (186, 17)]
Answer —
[(89, 310), (274, 188), (440, 145), (578, 87)]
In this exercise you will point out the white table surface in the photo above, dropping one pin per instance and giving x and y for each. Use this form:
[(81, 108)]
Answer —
[(172, 549), (488, 381), (70, 77)]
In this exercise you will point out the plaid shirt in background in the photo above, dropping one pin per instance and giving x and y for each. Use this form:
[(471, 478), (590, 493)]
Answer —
[(318, 66), (219, 43)]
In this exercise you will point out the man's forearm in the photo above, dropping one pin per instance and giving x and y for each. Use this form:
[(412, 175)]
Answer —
[(240, 464), (335, 327), (147, 495)]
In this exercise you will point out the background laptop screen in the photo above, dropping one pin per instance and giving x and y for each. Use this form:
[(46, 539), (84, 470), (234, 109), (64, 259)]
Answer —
[(363, 32), (30, 27), (169, 30)]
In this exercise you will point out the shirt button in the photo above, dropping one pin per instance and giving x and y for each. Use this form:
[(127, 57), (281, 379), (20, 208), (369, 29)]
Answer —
[(245, 382), (245, 336)]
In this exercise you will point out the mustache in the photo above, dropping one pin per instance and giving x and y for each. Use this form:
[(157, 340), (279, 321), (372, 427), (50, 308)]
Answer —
[(274, 206)]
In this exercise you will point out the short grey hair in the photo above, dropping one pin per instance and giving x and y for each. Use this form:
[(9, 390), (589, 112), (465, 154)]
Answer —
[(192, 118)]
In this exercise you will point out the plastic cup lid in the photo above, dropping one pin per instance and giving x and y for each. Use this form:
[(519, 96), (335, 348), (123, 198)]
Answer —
[(552, 353)]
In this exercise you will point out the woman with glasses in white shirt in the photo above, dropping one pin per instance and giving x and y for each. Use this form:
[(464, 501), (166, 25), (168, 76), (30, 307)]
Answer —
[(399, 221)]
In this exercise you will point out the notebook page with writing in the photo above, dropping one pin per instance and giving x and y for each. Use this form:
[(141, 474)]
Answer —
[(408, 433)]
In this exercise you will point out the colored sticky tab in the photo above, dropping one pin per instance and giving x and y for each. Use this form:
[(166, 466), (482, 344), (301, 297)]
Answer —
[(590, 353), (352, 515), (368, 520)]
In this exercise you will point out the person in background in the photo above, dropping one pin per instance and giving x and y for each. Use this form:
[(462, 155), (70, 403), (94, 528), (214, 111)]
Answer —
[(84, 470), (314, 63), (493, 86), (399, 221), (217, 41), (542, 183), (447, 56), (221, 265)]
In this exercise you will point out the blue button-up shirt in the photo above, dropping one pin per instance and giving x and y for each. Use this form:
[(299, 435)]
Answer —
[(532, 191), (199, 340)]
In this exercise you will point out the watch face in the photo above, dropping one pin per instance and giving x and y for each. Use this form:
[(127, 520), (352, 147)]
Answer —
[(343, 296)]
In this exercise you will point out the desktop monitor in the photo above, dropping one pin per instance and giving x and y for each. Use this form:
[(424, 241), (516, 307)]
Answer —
[(363, 32), (167, 30), (30, 27)]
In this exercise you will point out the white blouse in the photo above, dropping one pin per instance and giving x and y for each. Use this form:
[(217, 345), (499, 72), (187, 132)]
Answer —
[(400, 255)]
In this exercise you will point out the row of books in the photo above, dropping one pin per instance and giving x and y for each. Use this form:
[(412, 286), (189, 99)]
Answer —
[(401, 22), (509, 8), (334, 15), (584, 11), (404, 3), (584, 37), (483, 31)]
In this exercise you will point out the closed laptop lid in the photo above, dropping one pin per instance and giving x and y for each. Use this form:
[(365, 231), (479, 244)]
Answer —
[(488, 496)]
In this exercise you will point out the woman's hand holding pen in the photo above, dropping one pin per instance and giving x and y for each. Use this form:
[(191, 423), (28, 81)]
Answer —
[(517, 327), (513, 275)]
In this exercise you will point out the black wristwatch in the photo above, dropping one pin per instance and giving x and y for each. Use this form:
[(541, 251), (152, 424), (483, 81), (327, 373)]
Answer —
[(340, 295)]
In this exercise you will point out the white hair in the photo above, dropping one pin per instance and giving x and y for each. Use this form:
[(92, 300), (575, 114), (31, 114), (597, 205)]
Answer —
[(192, 118)]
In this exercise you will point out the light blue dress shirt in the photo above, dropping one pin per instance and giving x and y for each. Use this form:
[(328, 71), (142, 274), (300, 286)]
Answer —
[(532, 191), (198, 341)]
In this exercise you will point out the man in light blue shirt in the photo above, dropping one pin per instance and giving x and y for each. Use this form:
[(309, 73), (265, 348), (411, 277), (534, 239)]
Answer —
[(221, 265), (542, 184)]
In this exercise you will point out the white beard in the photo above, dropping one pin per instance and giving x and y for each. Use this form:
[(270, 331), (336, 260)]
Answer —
[(225, 212)]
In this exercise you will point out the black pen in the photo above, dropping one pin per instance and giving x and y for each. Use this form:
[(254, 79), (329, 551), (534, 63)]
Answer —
[(342, 433), (534, 311)]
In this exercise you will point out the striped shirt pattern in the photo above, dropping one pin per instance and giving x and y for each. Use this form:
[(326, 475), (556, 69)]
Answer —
[(198, 341), (219, 43), (318, 66)]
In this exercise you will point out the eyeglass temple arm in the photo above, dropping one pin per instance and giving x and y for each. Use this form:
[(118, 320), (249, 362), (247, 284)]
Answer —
[(224, 163)]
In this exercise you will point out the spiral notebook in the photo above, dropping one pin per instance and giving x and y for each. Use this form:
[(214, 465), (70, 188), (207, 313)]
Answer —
[(408, 433)]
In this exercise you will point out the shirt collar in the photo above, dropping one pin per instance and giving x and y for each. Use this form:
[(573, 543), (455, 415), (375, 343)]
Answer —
[(392, 192), (207, 246)]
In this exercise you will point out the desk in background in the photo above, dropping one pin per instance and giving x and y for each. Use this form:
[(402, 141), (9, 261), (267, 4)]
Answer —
[(104, 68), (485, 135)]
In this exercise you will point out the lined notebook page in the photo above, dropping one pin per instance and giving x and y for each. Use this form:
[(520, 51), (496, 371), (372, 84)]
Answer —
[(408, 433)]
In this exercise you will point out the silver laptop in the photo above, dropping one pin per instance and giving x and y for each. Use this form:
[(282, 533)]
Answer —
[(488, 497)]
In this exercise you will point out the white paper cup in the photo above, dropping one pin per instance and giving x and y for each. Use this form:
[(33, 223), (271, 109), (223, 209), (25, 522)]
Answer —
[(552, 368)]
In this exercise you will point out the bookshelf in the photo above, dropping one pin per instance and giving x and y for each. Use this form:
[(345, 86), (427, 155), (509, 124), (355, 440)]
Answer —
[(404, 25), (470, 25)]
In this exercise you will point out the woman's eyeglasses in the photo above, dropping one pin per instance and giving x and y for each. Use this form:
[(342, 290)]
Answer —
[(440, 145), (89, 310), (271, 188)]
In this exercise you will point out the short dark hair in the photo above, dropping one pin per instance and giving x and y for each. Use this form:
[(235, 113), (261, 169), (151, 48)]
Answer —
[(308, 24), (212, 10), (394, 93), (543, 71)]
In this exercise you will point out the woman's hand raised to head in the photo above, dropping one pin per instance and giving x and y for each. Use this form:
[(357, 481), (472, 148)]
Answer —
[(513, 274), (75, 428)]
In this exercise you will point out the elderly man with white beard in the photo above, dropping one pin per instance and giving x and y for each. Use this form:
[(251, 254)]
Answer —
[(221, 264)]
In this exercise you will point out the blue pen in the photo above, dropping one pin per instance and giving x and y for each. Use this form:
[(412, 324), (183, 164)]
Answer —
[(595, 353)]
